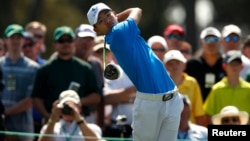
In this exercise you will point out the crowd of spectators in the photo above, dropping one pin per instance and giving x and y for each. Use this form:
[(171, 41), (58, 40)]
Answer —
[(214, 83)]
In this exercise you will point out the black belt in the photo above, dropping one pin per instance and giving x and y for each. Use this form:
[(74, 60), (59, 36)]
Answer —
[(167, 97)]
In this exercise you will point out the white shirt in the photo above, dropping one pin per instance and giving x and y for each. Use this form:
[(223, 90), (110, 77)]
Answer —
[(125, 108), (195, 133), (246, 64), (65, 131)]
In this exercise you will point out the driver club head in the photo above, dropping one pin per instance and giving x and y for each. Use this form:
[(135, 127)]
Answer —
[(111, 72)]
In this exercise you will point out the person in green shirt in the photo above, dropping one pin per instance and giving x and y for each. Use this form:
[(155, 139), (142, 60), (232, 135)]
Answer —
[(65, 71), (231, 90)]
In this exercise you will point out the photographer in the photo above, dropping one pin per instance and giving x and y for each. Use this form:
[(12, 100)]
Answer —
[(66, 122)]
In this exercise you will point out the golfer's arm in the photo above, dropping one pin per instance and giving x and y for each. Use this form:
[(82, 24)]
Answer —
[(134, 13)]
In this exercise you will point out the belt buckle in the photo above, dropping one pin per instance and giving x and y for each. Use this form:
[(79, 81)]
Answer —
[(167, 97)]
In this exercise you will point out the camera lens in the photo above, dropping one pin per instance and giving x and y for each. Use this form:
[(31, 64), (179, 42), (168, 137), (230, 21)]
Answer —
[(66, 109)]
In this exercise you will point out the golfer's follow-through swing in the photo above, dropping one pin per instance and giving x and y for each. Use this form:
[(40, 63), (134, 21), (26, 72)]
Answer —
[(158, 104)]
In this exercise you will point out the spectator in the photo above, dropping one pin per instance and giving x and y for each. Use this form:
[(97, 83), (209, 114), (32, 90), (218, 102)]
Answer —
[(232, 38), (186, 50), (29, 45), (174, 35), (2, 48), (246, 52), (2, 126), (64, 72), (158, 45), (248, 76), (189, 131), (66, 119), (230, 115), (119, 93), (231, 90), (98, 52), (175, 64), (29, 49), (207, 68), (39, 31), (84, 43), (18, 73), (246, 47)]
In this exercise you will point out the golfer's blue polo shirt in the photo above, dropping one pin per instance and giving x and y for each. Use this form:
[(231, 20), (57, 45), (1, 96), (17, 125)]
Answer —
[(136, 58)]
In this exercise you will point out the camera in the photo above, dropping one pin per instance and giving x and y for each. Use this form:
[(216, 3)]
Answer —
[(66, 109), (121, 120)]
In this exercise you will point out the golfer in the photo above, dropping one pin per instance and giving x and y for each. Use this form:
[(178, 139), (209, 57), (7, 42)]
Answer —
[(157, 107)]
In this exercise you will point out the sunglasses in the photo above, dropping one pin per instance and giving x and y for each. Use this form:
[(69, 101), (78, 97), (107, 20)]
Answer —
[(29, 45), (38, 36), (61, 41), (228, 119), (232, 38), (161, 49), (173, 36), (211, 39)]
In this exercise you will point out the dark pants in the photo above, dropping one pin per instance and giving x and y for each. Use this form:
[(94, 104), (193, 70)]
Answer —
[(2, 127), (124, 131)]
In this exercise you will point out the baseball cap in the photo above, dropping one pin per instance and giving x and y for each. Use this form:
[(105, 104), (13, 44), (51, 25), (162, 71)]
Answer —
[(63, 30), (229, 29), (232, 55), (174, 55), (173, 27), (210, 31), (13, 29), (100, 46), (68, 95), (94, 12), (156, 39), (29, 36), (85, 30), (99, 39)]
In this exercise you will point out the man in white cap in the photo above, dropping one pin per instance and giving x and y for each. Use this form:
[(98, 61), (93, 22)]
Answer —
[(84, 43), (231, 40), (66, 119), (157, 105), (209, 62), (230, 115)]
